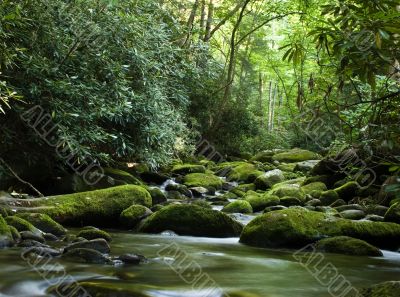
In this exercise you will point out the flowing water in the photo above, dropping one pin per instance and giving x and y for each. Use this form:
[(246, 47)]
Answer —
[(231, 265)]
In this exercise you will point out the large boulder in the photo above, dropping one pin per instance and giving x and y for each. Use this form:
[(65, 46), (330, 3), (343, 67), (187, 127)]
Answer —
[(297, 227), (295, 155), (347, 246), (244, 172), (348, 191), (393, 214), (268, 179), (132, 216), (191, 220), (98, 208), (208, 181), (387, 289), (6, 238)]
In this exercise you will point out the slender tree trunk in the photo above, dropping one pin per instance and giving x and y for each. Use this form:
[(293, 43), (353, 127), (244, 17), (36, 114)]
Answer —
[(207, 35), (261, 96), (190, 22), (202, 19)]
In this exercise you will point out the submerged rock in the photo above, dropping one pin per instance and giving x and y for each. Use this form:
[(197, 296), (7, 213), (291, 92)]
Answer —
[(297, 227), (191, 220), (87, 255), (99, 244), (347, 246), (387, 289)]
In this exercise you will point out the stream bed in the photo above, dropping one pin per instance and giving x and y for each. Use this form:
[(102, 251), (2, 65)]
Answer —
[(224, 262)]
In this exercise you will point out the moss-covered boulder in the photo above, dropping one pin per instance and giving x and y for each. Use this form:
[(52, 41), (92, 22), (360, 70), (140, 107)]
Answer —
[(316, 186), (208, 181), (22, 225), (329, 197), (264, 156), (268, 179), (238, 206), (297, 227), (191, 220), (98, 208), (290, 201), (289, 190), (44, 223), (157, 196), (188, 168), (347, 246), (296, 155), (244, 172), (348, 191), (6, 238), (386, 289), (132, 216), (393, 214), (91, 233), (261, 201), (121, 175)]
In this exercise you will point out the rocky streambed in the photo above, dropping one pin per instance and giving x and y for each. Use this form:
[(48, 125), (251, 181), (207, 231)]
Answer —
[(284, 223)]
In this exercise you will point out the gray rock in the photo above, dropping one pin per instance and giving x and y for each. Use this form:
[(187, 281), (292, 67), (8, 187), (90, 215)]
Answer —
[(314, 202), (374, 218), (379, 210), (306, 166), (353, 214), (131, 259), (28, 235), (100, 245), (198, 191), (50, 237), (87, 255), (31, 243), (273, 208), (45, 252), (349, 207)]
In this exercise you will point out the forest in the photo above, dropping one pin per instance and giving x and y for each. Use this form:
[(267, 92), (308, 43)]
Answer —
[(206, 148)]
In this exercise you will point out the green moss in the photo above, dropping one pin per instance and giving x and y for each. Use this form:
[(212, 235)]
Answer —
[(329, 197), (157, 196), (394, 201), (6, 238), (237, 192), (122, 175), (318, 178), (5, 211), (387, 289), (94, 233), (316, 186), (259, 202), (296, 155), (347, 246), (188, 168), (202, 203), (244, 173), (207, 181), (289, 190), (21, 224), (348, 191), (287, 167), (393, 214), (238, 206), (14, 233), (290, 201), (43, 222), (132, 216), (297, 227), (246, 187), (99, 208), (269, 179), (191, 220), (264, 157)]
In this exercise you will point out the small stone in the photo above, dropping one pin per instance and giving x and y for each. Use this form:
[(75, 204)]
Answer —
[(87, 255), (99, 244), (28, 235), (131, 259)]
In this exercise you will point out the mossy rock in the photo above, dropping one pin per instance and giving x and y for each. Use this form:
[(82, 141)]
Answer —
[(238, 206), (202, 203), (329, 197), (296, 155), (208, 181), (264, 157), (290, 201), (260, 201), (245, 172), (132, 216), (347, 246), (121, 175), (6, 238), (44, 223), (246, 187), (5, 211), (157, 196), (316, 186), (99, 208), (386, 289), (269, 179), (289, 190), (287, 167), (191, 220), (90, 233), (394, 201), (15, 234), (22, 225), (318, 178), (393, 214), (348, 191), (188, 168), (297, 227)]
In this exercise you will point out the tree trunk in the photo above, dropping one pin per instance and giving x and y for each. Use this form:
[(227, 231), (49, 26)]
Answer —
[(207, 35), (190, 22)]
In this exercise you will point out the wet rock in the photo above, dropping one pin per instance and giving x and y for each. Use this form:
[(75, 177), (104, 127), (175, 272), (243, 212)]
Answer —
[(31, 243), (179, 188), (43, 251), (100, 245), (28, 235), (353, 214), (50, 237), (306, 166), (238, 206), (15, 234), (6, 237), (131, 259), (379, 210), (87, 255), (154, 177), (374, 218), (44, 223), (90, 233), (347, 246), (274, 208), (314, 202), (22, 225), (198, 191), (387, 289), (349, 207), (393, 214), (268, 179), (290, 201), (157, 196)]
